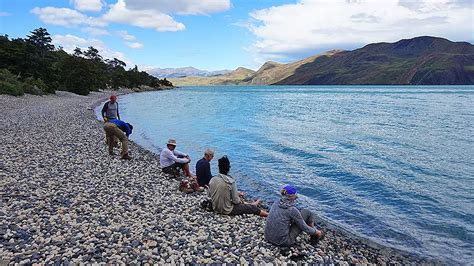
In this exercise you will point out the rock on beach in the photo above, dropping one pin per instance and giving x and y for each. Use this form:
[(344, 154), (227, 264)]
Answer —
[(65, 200)]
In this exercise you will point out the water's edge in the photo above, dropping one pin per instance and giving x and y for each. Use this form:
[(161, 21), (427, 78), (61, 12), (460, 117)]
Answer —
[(332, 225)]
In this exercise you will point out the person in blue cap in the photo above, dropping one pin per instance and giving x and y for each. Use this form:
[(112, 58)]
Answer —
[(285, 222), (115, 128)]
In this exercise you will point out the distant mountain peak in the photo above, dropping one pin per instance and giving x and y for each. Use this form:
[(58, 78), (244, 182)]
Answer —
[(188, 71), (242, 71), (268, 65), (422, 60)]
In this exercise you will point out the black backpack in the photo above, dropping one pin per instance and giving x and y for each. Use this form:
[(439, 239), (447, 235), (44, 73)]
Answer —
[(207, 205)]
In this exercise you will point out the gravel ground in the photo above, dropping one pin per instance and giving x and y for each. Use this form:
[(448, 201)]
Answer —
[(65, 200)]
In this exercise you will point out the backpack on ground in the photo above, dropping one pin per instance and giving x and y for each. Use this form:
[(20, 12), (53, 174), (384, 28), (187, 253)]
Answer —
[(207, 205)]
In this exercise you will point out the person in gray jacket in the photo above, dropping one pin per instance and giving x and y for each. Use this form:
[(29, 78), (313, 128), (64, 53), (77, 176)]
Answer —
[(285, 222), (225, 197), (110, 109)]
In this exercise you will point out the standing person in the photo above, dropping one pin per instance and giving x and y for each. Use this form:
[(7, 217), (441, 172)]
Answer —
[(203, 168), (285, 222), (110, 109), (171, 159), (225, 197), (115, 128)]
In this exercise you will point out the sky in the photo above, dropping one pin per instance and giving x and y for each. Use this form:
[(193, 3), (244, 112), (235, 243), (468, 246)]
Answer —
[(226, 34)]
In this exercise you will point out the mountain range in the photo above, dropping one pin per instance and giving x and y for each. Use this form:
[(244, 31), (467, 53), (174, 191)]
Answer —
[(184, 72), (418, 61)]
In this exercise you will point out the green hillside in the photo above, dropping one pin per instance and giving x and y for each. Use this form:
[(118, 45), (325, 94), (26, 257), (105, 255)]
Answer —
[(420, 61), (272, 72)]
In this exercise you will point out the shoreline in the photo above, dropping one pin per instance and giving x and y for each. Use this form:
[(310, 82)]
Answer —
[(64, 199)]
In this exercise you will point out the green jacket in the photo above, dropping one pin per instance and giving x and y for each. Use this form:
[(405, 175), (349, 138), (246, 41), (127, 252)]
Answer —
[(223, 193)]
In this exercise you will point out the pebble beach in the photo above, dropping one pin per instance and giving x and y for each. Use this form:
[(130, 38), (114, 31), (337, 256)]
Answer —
[(65, 200)]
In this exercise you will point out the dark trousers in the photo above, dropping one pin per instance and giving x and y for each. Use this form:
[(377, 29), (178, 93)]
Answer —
[(295, 231)]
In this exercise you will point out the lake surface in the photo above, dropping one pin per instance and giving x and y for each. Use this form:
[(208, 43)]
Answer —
[(391, 164)]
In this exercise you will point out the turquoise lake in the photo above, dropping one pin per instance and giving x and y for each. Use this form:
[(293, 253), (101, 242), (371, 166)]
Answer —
[(390, 164)]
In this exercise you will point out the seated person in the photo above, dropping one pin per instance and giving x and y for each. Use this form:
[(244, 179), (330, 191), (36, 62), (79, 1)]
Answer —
[(203, 168), (285, 222), (171, 159), (225, 197)]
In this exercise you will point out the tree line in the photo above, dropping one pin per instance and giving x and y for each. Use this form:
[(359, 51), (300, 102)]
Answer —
[(34, 65)]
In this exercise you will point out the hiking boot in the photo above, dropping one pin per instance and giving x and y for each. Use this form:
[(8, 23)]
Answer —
[(126, 157), (285, 251), (297, 257)]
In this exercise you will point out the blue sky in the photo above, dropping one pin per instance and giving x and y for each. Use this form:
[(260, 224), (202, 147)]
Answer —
[(226, 34)]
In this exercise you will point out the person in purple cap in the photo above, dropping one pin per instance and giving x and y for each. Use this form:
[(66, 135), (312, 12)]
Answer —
[(285, 222)]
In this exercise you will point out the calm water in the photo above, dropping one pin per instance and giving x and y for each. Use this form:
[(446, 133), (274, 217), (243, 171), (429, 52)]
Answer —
[(390, 164)]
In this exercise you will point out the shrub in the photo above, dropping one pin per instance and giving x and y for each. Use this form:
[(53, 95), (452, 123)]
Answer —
[(36, 86), (10, 88), (9, 83)]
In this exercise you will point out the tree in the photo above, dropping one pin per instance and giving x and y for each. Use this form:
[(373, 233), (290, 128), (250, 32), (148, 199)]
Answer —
[(115, 63), (76, 75), (77, 51), (41, 39), (33, 65), (93, 54), (166, 83), (117, 76)]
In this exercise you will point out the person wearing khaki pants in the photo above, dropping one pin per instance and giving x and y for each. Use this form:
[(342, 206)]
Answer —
[(115, 128)]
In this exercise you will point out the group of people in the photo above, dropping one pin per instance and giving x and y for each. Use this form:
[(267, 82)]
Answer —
[(115, 128), (284, 222)]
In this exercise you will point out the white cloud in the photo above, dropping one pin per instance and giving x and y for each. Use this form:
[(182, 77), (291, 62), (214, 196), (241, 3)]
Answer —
[(129, 39), (183, 7), (125, 35), (142, 18), (70, 42), (88, 5), (65, 17), (95, 31), (145, 67), (311, 25), (4, 14), (152, 14), (134, 45)]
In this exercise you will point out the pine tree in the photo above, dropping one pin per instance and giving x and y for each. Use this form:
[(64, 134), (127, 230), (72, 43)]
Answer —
[(41, 39)]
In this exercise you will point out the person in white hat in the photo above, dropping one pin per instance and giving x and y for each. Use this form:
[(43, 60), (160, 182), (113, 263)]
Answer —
[(171, 159)]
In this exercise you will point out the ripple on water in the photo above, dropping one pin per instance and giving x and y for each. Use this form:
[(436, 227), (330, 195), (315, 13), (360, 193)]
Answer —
[(391, 164)]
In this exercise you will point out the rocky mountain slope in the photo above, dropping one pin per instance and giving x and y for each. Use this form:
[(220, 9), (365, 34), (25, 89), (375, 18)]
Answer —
[(418, 61)]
